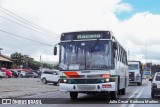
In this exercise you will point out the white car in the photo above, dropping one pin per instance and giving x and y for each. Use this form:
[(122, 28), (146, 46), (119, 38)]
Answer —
[(50, 76), (21, 73), (155, 86), (2, 74)]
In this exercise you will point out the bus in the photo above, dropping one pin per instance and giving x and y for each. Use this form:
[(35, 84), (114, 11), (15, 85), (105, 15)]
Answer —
[(92, 62), (135, 72)]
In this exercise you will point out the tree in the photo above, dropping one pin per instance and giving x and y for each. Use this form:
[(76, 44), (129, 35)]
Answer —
[(14, 66), (34, 64), (17, 58), (56, 66)]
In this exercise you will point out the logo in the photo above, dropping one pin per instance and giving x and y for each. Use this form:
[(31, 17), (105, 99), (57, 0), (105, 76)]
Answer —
[(6, 101)]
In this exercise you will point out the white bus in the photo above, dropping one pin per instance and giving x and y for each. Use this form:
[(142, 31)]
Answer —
[(135, 72), (92, 62)]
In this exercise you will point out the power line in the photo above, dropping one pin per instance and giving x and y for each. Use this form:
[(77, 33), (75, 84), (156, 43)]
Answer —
[(25, 38), (27, 27), (26, 21)]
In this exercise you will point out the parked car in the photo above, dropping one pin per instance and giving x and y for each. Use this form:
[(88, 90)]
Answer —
[(37, 72), (8, 73), (2, 74), (14, 73), (31, 75), (155, 86), (50, 76), (21, 73)]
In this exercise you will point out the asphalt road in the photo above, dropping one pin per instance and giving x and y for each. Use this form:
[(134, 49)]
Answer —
[(62, 99)]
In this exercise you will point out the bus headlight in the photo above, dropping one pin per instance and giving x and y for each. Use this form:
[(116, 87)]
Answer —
[(65, 81), (107, 79)]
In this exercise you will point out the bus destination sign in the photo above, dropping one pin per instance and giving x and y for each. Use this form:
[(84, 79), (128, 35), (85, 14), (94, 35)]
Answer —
[(89, 36), (85, 35)]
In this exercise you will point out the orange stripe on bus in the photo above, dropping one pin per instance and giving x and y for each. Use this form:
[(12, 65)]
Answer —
[(72, 74)]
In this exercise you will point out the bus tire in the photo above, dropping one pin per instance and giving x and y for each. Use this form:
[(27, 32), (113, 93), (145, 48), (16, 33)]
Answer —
[(119, 92), (73, 95), (139, 83), (152, 95), (123, 91), (113, 94)]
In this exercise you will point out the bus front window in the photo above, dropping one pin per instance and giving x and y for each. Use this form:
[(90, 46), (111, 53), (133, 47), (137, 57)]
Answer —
[(72, 56), (133, 66), (81, 55), (98, 55)]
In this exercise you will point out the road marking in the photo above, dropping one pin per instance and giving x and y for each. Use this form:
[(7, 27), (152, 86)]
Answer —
[(137, 90), (132, 96), (134, 93), (132, 105)]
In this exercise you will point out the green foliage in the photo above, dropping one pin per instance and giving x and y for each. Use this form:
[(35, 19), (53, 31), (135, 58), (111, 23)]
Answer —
[(14, 66), (34, 64), (17, 58), (56, 66)]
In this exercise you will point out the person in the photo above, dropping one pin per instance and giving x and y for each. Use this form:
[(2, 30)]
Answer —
[(102, 55)]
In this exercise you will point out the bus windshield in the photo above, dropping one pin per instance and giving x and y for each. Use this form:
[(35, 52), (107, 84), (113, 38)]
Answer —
[(81, 55), (133, 66)]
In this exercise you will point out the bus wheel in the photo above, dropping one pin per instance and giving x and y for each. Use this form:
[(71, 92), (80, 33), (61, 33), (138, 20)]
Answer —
[(113, 94), (139, 83), (119, 92), (123, 91), (152, 95), (73, 95)]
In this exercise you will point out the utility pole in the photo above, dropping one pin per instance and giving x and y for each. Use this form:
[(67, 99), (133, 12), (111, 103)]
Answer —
[(41, 63), (128, 55), (146, 53), (0, 54)]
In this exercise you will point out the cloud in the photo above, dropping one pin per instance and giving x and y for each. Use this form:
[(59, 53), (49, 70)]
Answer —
[(140, 33), (59, 16)]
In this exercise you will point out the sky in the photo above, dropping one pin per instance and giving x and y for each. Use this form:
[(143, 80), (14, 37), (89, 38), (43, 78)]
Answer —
[(33, 27)]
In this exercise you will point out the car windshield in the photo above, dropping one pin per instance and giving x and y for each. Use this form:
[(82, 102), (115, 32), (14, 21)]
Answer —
[(158, 77), (133, 66), (83, 55)]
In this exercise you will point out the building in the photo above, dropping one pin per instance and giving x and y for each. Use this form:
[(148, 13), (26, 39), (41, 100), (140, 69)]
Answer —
[(5, 61)]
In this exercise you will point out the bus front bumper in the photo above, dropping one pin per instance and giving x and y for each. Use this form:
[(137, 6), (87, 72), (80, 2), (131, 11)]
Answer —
[(103, 87)]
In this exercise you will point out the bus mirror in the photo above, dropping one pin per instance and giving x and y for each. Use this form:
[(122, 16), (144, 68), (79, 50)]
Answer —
[(115, 45), (55, 50)]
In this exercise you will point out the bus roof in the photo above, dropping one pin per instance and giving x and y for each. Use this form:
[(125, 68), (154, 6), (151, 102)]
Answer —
[(86, 35), (82, 35)]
